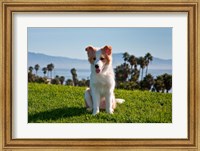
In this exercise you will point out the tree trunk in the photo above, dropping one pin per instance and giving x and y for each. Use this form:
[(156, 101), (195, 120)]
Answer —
[(74, 82), (146, 70), (139, 73), (142, 75)]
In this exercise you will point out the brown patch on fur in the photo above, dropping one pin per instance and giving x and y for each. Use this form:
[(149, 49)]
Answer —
[(91, 51), (107, 54), (91, 60), (107, 59)]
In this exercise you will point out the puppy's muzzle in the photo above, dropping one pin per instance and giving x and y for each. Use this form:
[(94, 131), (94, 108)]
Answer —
[(97, 68)]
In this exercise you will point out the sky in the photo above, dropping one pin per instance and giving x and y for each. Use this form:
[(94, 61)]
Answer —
[(71, 42)]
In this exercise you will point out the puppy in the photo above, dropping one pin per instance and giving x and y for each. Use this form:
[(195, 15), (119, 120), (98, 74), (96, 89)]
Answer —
[(100, 95)]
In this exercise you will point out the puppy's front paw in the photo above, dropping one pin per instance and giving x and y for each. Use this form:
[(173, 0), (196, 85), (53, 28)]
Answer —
[(110, 111), (95, 112)]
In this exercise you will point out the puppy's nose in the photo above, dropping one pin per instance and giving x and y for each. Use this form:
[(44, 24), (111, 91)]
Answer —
[(96, 66)]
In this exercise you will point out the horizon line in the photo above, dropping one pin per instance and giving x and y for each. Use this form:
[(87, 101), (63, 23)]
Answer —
[(85, 59)]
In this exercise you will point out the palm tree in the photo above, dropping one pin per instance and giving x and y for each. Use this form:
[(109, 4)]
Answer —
[(62, 79), (121, 72), (44, 70), (159, 84), (37, 67), (135, 76), (30, 69), (132, 60), (147, 83), (142, 63), (148, 57), (50, 68), (126, 56), (167, 81), (74, 76)]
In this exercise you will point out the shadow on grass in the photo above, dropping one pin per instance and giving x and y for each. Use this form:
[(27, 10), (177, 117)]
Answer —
[(56, 114)]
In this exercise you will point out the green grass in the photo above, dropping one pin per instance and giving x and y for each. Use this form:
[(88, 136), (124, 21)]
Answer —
[(65, 104)]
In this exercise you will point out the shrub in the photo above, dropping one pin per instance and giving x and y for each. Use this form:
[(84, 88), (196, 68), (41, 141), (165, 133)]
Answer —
[(55, 81), (36, 79), (147, 82)]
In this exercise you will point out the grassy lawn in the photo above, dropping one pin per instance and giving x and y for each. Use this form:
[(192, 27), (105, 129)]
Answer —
[(65, 104)]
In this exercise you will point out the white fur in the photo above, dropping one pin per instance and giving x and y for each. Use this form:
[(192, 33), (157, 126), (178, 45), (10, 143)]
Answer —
[(102, 86)]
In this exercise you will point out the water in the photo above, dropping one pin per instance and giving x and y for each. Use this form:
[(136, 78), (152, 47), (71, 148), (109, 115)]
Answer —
[(85, 73)]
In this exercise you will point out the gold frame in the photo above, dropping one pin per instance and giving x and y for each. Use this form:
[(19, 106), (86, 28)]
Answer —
[(8, 7)]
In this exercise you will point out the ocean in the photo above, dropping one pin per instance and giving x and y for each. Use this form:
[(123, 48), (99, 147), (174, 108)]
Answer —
[(85, 73)]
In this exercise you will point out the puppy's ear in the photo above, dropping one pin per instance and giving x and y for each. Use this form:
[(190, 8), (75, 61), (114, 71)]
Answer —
[(107, 50), (90, 50)]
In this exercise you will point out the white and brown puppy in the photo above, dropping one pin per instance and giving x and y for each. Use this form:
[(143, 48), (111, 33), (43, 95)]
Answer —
[(100, 95)]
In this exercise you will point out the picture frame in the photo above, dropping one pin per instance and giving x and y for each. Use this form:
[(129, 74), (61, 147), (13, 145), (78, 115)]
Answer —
[(6, 105)]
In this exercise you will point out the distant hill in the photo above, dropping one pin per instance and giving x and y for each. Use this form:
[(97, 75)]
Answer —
[(68, 63), (59, 62)]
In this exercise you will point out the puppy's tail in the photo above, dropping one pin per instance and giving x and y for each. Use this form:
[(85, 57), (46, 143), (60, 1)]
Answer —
[(120, 101)]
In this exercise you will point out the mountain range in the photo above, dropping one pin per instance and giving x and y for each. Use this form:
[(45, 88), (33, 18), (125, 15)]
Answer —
[(68, 63)]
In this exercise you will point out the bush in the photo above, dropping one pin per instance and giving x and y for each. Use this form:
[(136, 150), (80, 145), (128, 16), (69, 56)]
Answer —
[(69, 82), (122, 72), (131, 85), (41, 80), (147, 82), (55, 81), (36, 79)]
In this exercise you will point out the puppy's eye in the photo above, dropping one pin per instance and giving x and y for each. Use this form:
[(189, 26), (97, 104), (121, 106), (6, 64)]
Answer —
[(102, 58), (94, 58)]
